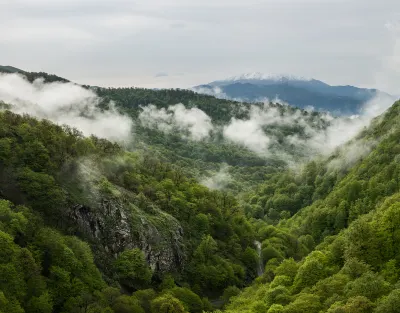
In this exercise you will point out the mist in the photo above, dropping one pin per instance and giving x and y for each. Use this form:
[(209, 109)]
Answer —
[(193, 123), (343, 129), (65, 104), (250, 133), (218, 180), (214, 91)]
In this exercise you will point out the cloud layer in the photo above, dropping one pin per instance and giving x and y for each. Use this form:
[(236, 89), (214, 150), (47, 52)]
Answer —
[(249, 133), (341, 130), (118, 42), (263, 130), (193, 122), (64, 103), (218, 180)]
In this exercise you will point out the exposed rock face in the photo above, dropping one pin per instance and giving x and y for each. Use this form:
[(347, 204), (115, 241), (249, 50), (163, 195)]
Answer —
[(114, 226)]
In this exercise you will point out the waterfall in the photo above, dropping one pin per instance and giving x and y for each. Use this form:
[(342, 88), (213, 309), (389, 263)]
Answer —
[(260, 267)]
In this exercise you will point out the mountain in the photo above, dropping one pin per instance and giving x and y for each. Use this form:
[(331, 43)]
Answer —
[(98, 226), (201, 204), (297, 91)]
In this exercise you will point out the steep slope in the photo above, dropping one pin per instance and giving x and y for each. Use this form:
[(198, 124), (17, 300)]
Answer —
[(342, 255), (143, 218)]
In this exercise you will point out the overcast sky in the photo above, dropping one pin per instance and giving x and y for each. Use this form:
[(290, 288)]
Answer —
[(181, 43)]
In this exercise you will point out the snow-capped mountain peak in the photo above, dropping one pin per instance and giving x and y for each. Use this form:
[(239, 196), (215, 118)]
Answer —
[(262, 76)]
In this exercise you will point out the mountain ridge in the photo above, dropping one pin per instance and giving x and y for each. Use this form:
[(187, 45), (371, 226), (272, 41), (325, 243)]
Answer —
[(297, 91), (10, 69), (262, 76)]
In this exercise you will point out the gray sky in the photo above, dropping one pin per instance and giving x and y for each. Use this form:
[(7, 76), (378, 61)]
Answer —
[(181, 43)]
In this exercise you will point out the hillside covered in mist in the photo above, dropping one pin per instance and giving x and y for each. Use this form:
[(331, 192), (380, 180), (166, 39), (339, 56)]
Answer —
[(136, 200)]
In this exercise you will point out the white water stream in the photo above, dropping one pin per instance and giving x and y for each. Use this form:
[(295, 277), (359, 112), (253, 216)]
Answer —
[(260, 268)]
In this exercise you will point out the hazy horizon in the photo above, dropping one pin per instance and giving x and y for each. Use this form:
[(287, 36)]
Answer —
[(176, 43)]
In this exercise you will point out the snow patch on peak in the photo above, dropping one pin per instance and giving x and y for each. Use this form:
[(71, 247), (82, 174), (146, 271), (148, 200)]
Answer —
[(262, 76)]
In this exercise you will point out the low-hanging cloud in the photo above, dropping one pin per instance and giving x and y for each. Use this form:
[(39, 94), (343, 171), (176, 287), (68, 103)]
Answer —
[(348, 154), (261, 131), (214, 91), (315, 139), (65, 103), (219, 180), (193, 123), (343, 129), (249, 132)]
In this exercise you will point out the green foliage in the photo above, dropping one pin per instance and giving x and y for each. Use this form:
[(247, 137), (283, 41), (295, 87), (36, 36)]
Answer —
[(50, 272), (251, 260), (229, 292), (189, 299), (329, 230), (167, 304), (168, 282), (277, 295), (343, 255), (390, 303), (132, 269), (287, 268), (127, 304), (314, 268), (145, 296), (281, 280), (41, 304), (357, 304), (369, 285), (54, 171), (42, 190), (275, 308), (304, 303)]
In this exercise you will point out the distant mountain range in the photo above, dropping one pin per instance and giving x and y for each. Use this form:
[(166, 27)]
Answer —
[(257, 87), (297, 91)]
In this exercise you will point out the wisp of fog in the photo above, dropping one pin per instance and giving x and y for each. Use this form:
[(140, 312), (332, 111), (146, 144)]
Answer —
[(343, 129), (65, 103), (73, 105), (193, 123), (218, 180)]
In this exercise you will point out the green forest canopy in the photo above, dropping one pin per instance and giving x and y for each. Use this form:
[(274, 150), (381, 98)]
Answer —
[(86, 226)]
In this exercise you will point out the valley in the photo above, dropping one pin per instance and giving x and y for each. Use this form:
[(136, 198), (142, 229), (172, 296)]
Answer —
[(139, 200)]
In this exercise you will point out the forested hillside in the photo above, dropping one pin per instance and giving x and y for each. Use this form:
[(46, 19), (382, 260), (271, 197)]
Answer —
[(199, 133), (247, 162), (351, 261), (195, 204), (142, 217)]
